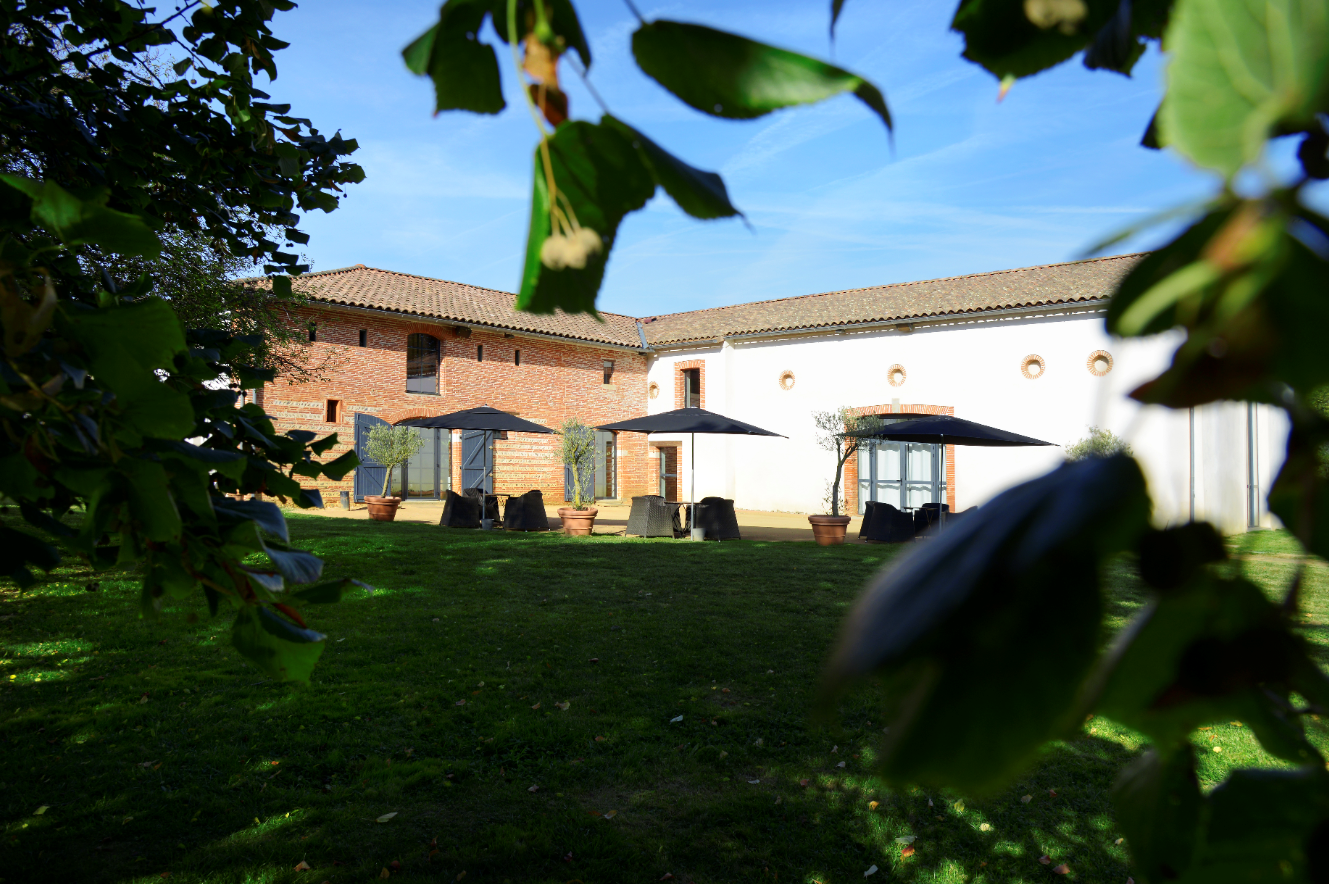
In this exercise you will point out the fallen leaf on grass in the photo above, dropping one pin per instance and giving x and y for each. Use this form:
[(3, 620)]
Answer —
[(1045, 860), (536, 706), (533, 789), (907, 850), (986, 827), (1026, 799), (872, 870), (929, 802), (1218, 748), (906, 839), (803, 783), (461, 703), (959, 806), (599, 739), (610, 814), (303, 866), (460, 875), (143, 699), (753, 782), (723, 753), (841, 764), (779, 800), (873, 805), (1118, 841), (667, 876), (595, 659), (564, 705), (41, 810), (1062, 869), (387, 816), (1052, 793), (146, 764), (676, 720), (385, 873)]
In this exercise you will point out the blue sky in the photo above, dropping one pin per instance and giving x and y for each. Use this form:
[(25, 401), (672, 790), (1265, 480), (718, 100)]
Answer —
[(970, 186)]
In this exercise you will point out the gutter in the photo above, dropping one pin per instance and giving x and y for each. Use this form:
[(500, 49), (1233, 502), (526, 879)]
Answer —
[(434, 320), (1076, 306)]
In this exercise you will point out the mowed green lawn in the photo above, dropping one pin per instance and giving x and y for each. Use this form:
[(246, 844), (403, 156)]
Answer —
[(507, 708)]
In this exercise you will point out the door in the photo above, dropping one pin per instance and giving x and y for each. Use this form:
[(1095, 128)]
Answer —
[(669, 472), (428, 470), (903, 474), (921, 474), (606, 466), (369, 475), (477, 460)]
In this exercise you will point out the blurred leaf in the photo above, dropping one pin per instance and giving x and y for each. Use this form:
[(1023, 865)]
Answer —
[(267, 514), (603, 178), (326, 592), (1158, 802), (700, 194), (729, 76), (837, 6), (148, 330), (464, 70), (282, 650), (997, 616), (999, 35), (1300, 494), (296, 565), (1169, 558), (150, 501), (337, 468), (18, 550), (563, 22), (1236, 71), (76, 221), (1212, 651)]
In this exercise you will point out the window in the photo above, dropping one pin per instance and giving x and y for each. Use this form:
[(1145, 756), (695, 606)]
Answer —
[(609, 371), (692, 388), (479, 352), (422, 363), (313, 331), (516, 357), (364, 337), (333, 412), (606, 466)]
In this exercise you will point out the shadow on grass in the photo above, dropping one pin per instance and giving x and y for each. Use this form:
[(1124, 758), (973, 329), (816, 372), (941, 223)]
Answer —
[(438, 700)]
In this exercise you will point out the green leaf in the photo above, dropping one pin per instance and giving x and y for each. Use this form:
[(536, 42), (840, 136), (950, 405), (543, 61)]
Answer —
[(997, 617), (1264, 826), (602, 178), (1214, 650), (18, 550), (1158, 802), (729, 76), (265, 514), (700, 194), (1171, 557), (563, 21), (338, 467), (328, 591), (150, 501), (464, 70), (148, 331), (281, 649), (1000, 36), (229, 463), (18, 478), (1239, 70), (76, 221), (297, 566)]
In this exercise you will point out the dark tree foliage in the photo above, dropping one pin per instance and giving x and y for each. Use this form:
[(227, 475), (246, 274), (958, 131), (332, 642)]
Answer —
[(117, 122)]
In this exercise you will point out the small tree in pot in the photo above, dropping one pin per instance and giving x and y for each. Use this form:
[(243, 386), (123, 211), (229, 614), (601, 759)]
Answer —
[(390, 446), (838, 432), (578, 453)]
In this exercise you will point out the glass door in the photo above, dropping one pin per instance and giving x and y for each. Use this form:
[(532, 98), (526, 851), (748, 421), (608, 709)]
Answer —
[(606, 486), (903, 474), (422, 468), (921, 485)]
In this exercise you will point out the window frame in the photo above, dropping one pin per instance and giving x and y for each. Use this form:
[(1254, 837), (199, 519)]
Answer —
[(689, 394), (425, 383)]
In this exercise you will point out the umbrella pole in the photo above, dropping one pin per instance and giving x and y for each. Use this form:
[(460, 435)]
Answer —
[(692, 463), (941, 511)]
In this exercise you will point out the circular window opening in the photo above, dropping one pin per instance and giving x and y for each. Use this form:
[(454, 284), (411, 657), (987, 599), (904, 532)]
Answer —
[(1100, 363), (786, 380), (896, 375), (653, 391), (1033, 367)]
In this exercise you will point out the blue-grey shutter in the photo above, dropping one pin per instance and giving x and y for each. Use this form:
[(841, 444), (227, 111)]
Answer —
[(370, 474), (477, 460)]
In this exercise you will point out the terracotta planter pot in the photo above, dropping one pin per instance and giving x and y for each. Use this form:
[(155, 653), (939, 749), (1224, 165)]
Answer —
[(382, 509), (577, 523), (829, 530)]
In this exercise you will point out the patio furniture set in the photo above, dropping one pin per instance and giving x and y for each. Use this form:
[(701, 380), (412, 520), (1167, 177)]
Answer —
[(473, 507), (653, 516)]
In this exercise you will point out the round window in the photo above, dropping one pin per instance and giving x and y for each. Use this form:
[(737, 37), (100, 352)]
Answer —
[(1099, 363), (1033, 367), (653, 390), (896, 375), (786, 380)]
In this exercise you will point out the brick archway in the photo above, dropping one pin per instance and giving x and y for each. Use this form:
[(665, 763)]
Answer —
[(850, 478)]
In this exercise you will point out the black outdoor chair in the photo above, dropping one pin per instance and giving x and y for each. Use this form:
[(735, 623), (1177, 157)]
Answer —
[(717, 516), (489, 502), (526, 512), (460, 511), (652, 517), (886, 524), (927, 516), (869, 510)]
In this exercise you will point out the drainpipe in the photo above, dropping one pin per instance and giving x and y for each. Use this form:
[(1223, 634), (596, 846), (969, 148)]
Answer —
[(1192, 415), (1252, 478)]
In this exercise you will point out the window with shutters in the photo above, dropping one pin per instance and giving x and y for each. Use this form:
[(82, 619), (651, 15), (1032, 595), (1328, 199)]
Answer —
[(422, 354), (692, 388)]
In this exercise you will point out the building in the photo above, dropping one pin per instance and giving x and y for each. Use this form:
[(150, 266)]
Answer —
[(1024, 350)]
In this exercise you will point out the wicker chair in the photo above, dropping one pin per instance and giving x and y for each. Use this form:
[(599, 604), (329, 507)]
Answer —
[(487, 502), (886, 524), (526, 513), (652, 517), (717, 516), (460, 511), (927, 516)]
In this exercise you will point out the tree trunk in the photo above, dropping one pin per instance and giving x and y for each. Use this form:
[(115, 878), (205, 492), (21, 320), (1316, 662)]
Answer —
[(387, 481)]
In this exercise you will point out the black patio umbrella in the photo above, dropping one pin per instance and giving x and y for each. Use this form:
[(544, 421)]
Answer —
[(943, 430), (482, 417), (692, 421)]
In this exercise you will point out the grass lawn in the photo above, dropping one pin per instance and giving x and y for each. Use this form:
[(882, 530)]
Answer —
[(440, 701)]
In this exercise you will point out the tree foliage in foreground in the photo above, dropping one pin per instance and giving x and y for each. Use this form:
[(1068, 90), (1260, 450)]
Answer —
[(107, 404)]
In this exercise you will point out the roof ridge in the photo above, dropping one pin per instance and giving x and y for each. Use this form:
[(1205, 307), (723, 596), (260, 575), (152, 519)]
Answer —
[(892, 285)]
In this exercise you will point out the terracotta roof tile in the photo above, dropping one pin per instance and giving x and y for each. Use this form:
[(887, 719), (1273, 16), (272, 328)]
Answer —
[(1050, 284), (362, 286)]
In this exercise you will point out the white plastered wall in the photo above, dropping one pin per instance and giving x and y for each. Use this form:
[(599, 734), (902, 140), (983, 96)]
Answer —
[(973, 365)]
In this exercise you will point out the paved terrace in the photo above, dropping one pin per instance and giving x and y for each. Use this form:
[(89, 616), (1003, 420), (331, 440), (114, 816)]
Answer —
[(613, 519)]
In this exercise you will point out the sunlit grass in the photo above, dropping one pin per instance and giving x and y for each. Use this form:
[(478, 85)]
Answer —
[(155, 749)]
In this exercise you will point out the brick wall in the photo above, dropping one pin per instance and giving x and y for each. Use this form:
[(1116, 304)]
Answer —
[(850, 479), (679, 367), (554, 381)]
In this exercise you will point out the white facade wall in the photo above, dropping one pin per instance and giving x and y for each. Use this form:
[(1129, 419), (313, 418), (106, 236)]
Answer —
[(974, 365)]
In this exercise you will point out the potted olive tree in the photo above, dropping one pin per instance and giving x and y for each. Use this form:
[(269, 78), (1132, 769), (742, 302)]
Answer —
[(390, 446), (578, 452), (838, 432)]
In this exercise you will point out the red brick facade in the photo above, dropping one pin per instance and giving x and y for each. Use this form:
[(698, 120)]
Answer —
[(851, 466), (555, 380)]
